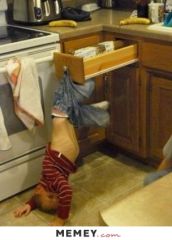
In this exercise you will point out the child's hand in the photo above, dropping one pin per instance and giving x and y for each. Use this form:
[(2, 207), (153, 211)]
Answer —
[(57, 222), (22, 211)]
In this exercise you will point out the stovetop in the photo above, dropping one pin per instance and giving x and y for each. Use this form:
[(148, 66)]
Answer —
[(15, 38), (10, 34)]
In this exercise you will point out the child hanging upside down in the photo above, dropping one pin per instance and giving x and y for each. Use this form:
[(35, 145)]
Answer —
[(53, 191), (55, 172)]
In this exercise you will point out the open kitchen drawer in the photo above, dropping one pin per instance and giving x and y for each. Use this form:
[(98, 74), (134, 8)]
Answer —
[(82, 69)]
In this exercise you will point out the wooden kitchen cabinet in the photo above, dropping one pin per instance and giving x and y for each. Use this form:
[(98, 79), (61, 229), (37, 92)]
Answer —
[(123, 94), (156, 55), (160, 113), (125, 80), (89, 138), (140, 97), (81, 69), (157, 77)]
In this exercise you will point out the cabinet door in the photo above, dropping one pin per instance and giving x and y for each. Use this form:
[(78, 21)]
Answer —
[(123, 92), (160, 113)]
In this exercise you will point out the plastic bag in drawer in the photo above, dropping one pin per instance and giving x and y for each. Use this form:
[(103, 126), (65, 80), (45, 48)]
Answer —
[(108, 45), (86, 52)]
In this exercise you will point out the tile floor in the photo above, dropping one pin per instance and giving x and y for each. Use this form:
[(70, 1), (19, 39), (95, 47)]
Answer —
[(99, 182)]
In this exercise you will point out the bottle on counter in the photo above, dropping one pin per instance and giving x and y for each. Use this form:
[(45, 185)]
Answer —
[(156, 11), (167, 13), (142, 8)]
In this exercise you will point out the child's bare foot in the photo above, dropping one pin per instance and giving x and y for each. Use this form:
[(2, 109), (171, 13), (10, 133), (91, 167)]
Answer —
[(103, 105)]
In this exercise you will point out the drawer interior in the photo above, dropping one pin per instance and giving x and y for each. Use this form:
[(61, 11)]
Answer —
[(81, 69)]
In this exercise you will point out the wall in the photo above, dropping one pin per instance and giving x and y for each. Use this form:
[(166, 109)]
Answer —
[(124, 4), (66, 2), (121, 4)]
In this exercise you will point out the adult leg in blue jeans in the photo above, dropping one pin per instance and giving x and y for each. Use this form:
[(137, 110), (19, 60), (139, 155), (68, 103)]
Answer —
[(165, 166)]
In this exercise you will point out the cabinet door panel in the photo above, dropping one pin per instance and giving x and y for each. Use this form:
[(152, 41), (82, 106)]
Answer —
[(160, 114), (156, 55), (124, 109)]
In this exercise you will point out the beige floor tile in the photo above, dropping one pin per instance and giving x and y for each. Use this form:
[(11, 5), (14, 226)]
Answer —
[(8, 205), (98, 183), (86, 220), (25, 196), (85, 211), (31, 220), (104, 178), (95, 159), (133, 164), (79, 200), (46, 217)]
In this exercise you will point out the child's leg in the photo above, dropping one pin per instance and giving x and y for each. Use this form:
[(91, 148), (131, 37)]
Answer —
[(63, 138)]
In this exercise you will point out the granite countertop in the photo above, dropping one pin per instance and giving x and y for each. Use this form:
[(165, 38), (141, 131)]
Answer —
[(108, 20)]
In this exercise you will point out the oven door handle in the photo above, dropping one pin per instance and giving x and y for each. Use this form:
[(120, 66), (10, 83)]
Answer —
[(37, 61)]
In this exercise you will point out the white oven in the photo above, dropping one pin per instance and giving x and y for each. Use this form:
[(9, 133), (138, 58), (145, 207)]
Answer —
[(20, 166)]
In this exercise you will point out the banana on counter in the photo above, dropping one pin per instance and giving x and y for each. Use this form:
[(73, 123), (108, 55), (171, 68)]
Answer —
[(63, 23), (135, 20)]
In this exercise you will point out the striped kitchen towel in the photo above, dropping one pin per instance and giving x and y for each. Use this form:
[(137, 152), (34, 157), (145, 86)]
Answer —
[(24, 81)]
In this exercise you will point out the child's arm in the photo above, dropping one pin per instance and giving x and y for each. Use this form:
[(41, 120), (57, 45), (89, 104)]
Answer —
[(22, 211)]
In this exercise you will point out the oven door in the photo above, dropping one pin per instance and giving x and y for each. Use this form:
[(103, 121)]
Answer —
[(27, 144)]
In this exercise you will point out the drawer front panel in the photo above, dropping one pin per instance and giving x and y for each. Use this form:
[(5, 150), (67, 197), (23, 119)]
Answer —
[(157, 55), (94, 66), (109, 61)]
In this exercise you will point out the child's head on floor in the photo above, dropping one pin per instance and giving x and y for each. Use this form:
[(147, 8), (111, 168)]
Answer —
[(44, 200)]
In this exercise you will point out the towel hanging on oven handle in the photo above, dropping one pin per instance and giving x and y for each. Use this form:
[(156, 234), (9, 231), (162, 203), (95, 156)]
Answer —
[(4, 139)]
